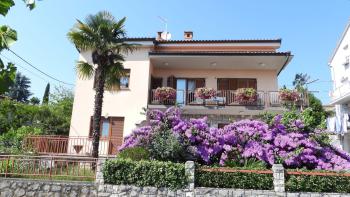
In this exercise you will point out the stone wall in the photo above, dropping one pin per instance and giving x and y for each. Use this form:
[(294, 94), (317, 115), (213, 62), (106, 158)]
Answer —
[(26, 187), (132, 191)]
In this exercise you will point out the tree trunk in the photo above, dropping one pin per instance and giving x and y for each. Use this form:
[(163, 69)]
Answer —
[(100, 79)]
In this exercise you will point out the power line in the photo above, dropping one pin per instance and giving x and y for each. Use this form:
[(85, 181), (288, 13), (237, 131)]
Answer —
[(42, 72), (17, 64)]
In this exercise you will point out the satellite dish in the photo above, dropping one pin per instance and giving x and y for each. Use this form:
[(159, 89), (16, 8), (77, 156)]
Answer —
[(165, 35)]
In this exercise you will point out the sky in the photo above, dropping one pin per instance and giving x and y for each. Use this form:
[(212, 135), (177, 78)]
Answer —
[(310, 29)]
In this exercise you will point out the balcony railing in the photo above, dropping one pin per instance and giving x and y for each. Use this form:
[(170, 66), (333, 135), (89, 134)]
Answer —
[(341, 91), (226, 98), (68, 145)]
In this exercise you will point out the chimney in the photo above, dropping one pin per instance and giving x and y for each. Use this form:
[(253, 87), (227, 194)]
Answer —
[(159, 35), (188, 35)]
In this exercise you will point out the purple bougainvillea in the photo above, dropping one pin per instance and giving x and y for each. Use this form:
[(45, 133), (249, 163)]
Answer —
[(289, 144)]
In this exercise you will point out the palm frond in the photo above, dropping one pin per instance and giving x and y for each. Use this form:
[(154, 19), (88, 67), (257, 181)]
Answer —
[(84, 70), (113, 75)]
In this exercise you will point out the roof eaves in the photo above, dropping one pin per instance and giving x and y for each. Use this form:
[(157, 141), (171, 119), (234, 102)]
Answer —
[(218, 41), (221, 53), (340, 41)]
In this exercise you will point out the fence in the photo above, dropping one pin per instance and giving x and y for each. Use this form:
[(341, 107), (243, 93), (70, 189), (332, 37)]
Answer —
[(48, 167), (71, 145), (280, 179)]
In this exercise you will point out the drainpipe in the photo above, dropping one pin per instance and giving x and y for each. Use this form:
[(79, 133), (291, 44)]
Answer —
[(285, 63)]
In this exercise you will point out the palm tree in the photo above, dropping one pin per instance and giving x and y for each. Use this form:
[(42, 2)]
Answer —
[(300, 81), (19, 91), (104, 36)]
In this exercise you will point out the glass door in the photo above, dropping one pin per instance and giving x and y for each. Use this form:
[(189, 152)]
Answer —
[(181, 91)]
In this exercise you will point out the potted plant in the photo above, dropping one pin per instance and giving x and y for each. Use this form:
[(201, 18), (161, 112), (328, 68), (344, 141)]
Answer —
[(165, 95), (288, 96), (205, 93), (246, 95)]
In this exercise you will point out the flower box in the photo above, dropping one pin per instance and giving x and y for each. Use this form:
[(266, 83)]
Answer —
[(205, 93), (165, 95), (288, 96), (246, 96)]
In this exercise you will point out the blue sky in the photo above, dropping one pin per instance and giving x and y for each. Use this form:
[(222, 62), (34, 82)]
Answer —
[(310, 29)]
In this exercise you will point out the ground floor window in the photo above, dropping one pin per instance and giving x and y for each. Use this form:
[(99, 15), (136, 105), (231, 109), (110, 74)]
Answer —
[(222, 125)]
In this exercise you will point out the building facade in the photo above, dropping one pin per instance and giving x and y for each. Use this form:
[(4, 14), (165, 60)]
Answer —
[(224, 65), (340, 95)]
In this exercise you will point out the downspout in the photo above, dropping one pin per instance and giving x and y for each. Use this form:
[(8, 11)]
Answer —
[(285, 64)]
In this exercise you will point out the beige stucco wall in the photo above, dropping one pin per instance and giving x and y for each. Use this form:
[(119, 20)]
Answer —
[(266, 79), (124, 103)]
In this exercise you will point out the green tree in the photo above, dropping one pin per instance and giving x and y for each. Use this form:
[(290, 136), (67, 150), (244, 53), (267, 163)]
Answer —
[(19, 91), (46, 94), (7, 72), (300, 81), (5, 5), (104, 36), (7, 37), (34, 101)]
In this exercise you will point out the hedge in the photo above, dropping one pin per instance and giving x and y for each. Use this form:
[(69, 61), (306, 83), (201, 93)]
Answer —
[(145, 173), (239, 180), (316, 183)]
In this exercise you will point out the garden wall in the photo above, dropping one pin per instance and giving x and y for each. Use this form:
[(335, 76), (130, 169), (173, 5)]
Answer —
[(26, 187)]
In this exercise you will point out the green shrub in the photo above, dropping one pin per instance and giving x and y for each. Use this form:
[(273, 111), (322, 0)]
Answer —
[(135, 153), (165, 146), (313, 183), (11, 142), (145, 173), (234, 180)]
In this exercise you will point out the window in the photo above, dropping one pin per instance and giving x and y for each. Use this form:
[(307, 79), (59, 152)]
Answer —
[(344, 79), (347, 60), (222, 125), (105, 127), (125, 81)]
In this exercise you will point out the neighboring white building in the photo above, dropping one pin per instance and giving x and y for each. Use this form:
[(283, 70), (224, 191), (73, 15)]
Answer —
[(340, 95)]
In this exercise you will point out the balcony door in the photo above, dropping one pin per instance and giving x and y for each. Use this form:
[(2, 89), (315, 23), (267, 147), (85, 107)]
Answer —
[(185, 88), (181, 91), (111, 134)]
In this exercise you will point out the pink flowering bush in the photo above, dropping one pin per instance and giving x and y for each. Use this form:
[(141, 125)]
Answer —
[(287, 95), (165, 94), (292, 145), (246, 95), (205, 93)]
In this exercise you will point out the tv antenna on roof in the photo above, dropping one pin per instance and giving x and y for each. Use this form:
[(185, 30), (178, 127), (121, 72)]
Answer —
[(165, 21), (165, 34)]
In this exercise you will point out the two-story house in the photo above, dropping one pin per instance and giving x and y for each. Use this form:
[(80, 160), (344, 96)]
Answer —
[(184, 65), (339, 65)]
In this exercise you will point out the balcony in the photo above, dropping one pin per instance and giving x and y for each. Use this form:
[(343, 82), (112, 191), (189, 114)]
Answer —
[(265, 99), (341, 94)]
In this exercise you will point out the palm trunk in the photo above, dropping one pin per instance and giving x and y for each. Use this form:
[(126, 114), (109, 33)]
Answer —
[(97, 110)]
